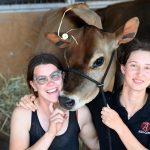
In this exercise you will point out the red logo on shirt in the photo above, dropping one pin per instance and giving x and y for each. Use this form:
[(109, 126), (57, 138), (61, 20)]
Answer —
[(145, 126)]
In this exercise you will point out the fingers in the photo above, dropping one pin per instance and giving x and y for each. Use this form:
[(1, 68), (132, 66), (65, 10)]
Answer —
[(28, 102), (106, 115), (22, 104), (52, 107), (58, 112), (57, 118), (105, 111), (104, 120), (110, 117)]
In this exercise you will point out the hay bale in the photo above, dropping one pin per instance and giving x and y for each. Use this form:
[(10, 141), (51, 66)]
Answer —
[(11, 90)]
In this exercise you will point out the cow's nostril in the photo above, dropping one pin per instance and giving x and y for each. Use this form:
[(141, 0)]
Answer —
[(66, 102), (70, 102)]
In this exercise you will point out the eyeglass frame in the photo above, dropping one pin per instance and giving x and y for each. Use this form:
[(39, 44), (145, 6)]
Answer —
[(37, 78)]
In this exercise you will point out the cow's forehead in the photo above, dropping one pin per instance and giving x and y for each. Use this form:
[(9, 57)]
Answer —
[(91, 41)]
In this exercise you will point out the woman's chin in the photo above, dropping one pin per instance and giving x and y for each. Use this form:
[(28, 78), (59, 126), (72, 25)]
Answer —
[(53, 97)]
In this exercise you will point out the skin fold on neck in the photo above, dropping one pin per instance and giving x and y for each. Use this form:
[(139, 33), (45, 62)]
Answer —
[(132, 101)]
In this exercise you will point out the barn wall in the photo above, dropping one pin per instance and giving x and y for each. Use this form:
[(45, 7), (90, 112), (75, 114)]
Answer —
[(18, 33)]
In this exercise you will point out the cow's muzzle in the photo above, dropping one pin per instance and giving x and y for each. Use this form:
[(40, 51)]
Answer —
[(66, 102)]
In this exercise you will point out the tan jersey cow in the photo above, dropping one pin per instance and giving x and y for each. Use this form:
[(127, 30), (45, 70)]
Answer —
[(77, 38)]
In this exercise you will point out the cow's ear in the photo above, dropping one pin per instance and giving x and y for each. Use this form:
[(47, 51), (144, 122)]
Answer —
[(127, 32), (54, 38), (89, 16)]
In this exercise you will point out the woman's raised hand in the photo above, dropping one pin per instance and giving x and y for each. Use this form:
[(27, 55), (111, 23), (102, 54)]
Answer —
[(57, 119)]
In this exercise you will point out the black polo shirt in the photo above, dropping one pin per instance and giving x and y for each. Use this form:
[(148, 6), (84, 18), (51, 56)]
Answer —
[(139, 123)]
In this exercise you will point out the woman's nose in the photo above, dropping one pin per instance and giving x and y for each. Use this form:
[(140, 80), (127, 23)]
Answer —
[(140, 71), (50, 82)]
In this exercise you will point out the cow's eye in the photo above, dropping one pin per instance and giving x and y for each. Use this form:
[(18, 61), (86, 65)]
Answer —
[(98, 62)]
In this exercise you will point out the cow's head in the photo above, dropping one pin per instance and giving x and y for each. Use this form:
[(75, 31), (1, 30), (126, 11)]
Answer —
[(88, 49)]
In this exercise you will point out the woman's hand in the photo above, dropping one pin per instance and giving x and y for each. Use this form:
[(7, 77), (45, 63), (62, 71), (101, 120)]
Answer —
[(57, 119), (28, 102), (111, 118)]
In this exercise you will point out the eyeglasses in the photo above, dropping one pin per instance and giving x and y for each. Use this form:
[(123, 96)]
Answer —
[(54, 76)]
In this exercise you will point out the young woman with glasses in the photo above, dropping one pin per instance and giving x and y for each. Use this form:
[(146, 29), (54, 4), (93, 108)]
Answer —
[(50, 126)]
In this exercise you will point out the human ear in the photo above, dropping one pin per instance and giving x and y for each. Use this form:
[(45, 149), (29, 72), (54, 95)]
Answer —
[(123, 69), (33, 86)]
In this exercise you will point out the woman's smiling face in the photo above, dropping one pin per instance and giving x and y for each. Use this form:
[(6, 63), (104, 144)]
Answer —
[(137, 70), (47, 81)]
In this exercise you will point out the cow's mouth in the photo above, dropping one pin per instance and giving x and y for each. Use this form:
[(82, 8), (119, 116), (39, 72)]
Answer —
[(66, 102)]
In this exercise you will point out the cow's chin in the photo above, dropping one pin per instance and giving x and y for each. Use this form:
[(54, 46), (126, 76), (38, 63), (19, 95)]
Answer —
[(78, 106), (73, 103)]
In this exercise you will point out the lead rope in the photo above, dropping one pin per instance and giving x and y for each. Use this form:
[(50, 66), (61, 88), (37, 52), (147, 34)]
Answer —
[(104, 97)]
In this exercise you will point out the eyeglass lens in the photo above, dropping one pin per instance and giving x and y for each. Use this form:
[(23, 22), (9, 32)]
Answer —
[(54, 76)]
